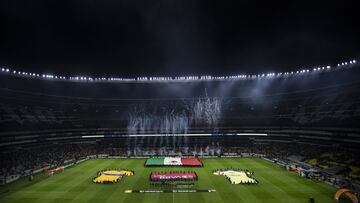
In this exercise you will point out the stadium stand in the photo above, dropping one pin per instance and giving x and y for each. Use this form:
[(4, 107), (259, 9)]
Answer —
[(45, 123)]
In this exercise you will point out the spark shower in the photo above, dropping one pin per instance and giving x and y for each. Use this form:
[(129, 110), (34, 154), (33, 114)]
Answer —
[(170, 118)]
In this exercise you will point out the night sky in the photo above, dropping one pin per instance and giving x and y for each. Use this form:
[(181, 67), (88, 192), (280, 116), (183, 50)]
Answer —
[(127, 38)]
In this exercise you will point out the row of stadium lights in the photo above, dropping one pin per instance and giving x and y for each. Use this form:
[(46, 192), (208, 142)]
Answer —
[(186, 78)]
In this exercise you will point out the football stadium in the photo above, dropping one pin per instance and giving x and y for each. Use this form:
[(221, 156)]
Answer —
[(151, 126)]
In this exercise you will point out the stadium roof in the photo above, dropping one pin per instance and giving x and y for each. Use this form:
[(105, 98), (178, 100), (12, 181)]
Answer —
[(299, 72), (174, 38)]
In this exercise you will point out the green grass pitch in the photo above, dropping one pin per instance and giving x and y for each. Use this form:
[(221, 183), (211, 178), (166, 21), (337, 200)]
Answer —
[(75, 185)]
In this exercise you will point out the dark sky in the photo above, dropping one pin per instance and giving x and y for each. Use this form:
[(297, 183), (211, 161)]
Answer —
[(175, 37)]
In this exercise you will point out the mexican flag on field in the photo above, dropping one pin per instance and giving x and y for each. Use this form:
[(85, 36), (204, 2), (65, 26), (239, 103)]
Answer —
[(173, 161)]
